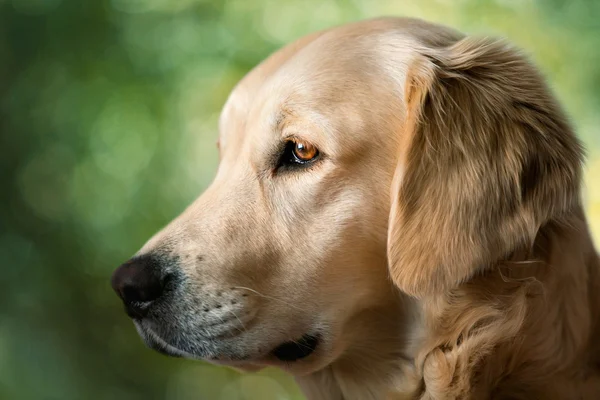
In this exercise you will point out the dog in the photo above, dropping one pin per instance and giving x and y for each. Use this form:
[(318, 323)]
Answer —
[(396, 215)]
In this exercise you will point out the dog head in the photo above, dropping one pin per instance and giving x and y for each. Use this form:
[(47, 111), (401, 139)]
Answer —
[(286, 258), (282, 260)]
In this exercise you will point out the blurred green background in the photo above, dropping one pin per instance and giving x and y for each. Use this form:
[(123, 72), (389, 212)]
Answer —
[(108, 113)]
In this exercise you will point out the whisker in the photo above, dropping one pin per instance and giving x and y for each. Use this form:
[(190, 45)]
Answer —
[(268, 297), (240, 321), (297, 343), (218, 316)]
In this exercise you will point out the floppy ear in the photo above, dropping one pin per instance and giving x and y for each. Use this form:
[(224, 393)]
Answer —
[(488, 158)]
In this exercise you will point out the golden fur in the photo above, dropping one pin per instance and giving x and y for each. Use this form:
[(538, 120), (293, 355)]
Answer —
[(446, 165), (487, 230)]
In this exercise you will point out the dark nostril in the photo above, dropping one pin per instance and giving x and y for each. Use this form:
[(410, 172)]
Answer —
[(138, 281)]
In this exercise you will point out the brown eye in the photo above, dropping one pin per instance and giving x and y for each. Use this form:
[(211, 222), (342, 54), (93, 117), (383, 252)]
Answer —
[(296, 154), (304, 151)]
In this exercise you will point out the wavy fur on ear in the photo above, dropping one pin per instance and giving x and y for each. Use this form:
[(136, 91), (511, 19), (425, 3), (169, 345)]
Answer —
[(490, 159)]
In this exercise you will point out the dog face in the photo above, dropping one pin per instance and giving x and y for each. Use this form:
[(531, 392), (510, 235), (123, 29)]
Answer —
[(282, 261), (387, 148)]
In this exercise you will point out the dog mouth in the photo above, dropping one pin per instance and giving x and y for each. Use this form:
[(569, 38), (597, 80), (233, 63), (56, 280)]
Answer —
[(288, 352), (296, 350)]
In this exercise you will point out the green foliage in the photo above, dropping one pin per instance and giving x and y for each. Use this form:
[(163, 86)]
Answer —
[(108, 113)]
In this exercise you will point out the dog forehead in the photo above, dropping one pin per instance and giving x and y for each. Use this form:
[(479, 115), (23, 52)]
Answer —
[(300, 71), (341, 65), (243, 94)]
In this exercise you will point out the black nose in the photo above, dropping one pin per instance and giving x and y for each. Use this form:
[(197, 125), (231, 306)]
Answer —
[(138, 282)]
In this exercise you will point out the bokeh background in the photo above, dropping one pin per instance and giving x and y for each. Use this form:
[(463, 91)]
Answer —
[(108, 113)]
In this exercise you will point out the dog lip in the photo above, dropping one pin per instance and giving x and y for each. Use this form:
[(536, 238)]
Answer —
[(163, 350), (296, 350), (287, 352), (155, 342)]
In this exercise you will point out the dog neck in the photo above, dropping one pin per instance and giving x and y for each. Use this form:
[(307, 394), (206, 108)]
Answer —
[(378, 361), (523, 326)]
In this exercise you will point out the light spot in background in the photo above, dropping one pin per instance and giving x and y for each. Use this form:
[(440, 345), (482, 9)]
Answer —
[(254, 387), (99, 200), (515, 4), (165, 44), (136, 6), (199, 88), (124, 137), (452, 2), (235, 10), (133, 6), (43, 181), (198, 102), (406, 9), (202, 152), (141, 6), (281, 20), (198, 380), (35, 7)]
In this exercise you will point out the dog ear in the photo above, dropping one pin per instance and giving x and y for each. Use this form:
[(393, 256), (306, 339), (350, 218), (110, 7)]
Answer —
[(488, 157)]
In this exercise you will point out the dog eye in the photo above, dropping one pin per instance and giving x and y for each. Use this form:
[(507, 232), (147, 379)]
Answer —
[(298, 152), (304, 152)]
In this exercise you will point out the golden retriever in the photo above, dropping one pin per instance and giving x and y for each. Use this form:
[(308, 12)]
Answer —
[(382, 155)]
